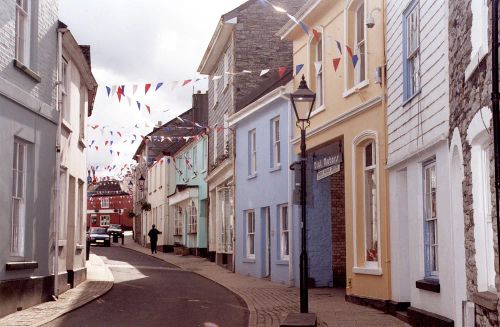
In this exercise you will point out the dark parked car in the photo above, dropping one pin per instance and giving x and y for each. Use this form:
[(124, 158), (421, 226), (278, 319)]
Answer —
[(98, 235), (115, 229)]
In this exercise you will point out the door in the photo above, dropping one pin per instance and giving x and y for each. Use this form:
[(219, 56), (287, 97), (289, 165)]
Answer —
[(267, 222)]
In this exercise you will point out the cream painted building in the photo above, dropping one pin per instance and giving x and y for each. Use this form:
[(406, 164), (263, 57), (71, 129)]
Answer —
[(76, 93), (348, 219)]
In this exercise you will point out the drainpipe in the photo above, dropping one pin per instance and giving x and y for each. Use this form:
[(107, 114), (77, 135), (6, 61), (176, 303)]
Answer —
[(495, 97), (233, 150), (57, 204)]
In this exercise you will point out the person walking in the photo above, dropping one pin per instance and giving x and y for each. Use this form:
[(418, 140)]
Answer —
[(153, 237)]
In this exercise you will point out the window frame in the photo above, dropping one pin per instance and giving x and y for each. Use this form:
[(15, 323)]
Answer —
[(101, 219), (18, 228), (429, 255), (215, 144), (358, 72), (23, 46), (478, 55), (250, 233), (105, 200), (178, 221), (194, 160), (283, 231), (372, 170), (252, 152), (411, 87), (275, 142), (216, 92), (226, 134), (226, 69), (193, 218)]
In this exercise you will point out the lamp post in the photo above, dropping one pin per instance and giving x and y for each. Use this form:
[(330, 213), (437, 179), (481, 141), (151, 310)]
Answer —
[(141, 183), (303, 102)]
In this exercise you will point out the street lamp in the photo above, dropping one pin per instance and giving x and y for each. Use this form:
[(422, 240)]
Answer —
[(303, 103), (141, 183)]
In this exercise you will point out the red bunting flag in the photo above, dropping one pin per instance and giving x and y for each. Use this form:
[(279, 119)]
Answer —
[(149, 109), (281, 71), (146, 88), (186, 82), (119, 93), (349, 50), (336, 62), (95, 126), (119, 133), (118, 153), (316, 35), (105, 143), (96, 148)]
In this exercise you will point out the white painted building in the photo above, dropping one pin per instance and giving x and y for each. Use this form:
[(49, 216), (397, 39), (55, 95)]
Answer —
[(77, 91), (427, 238)]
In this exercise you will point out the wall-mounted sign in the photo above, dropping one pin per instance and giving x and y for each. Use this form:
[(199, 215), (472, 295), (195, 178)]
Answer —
[(327, 161), (327, 172)]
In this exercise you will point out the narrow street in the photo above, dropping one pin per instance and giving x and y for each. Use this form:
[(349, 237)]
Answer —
[(150, 292)]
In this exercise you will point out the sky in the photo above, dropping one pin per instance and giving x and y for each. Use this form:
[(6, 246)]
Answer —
[(139, 42)]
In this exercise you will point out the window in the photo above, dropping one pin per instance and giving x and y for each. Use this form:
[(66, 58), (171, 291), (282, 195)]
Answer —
[(79, 216), (105, 220), (226, 134), (250, 234), (479, 30), (193, 218), (205, 154), (194, 161), (316, 67), (215, 144), (275, 143), (93, 220), (63, 212), (216, 91), (18, 207), (178, 221), (252, 153), (360, 69), (371, 212), (226, 69), (284, 232), (430, 220), (411, 50), (105, 203), (65, 91), (23, 31), (83, 110)]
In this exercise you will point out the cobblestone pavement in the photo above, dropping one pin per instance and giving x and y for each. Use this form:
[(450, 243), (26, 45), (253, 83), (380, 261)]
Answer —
[(99, 281), (269, 303)]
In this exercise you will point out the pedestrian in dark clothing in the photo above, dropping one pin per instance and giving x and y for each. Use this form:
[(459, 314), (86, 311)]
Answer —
[(153, 236)]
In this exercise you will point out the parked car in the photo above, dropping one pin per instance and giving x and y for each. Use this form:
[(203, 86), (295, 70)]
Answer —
[(115, 229), (98, 235)]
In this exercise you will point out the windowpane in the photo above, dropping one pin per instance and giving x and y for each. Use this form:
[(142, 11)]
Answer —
[(430, 216), (369, 160), (20, 184), (371, 219), (360, 23)]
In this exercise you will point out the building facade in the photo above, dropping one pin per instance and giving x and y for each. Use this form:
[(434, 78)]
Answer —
[(28, 130), (244, 40), (267, 233), (109, 204), (472, 155), (347, 216), (77, 93)]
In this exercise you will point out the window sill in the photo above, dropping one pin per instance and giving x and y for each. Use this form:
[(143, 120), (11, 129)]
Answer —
[(66, 125), (177, 234), (80, 247), (252, 176), (21, 265), (367, 271), (488, 300), (475, 62), (34, 76), (61, 243), (248, 260), (276, 168), (428, 284), (192, 233), (409, 100), (283, 262), (356, 88), (318, 110)]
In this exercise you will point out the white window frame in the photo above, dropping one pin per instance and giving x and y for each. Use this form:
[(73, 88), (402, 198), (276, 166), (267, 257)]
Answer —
[(226, 69), (252, 152), (178, 221), (80, 213), (319, 76), (216, 92), (105, 203), (23, 31), (83, 109), (411, 50), (193, 218), (250, 237), (18, 219), (284, 231), (205, 154), (359, 73), (194, 161), (65, 76), (215, 144), (104, 217), (275, 143), (370, 171), (431, 249)]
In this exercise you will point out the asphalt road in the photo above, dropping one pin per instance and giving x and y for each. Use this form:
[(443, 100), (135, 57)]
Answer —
[(151, 292)]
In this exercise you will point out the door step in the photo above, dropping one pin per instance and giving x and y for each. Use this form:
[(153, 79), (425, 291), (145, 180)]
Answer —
[(402, 315)]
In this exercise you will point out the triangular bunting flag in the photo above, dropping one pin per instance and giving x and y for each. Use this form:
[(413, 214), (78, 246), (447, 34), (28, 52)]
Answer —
[(316, 35), (118, 153), (146, 88), (139, 107), (123, 89), (108, 89), (111, 151), (339, 46), (349, 50), (318, 65), (149, 109), (281, 71), (129, 101), (113, 89), (119, 93), (119, 133), (354, 60), (336, 62), (97, 149), (173, 85), (298, 68), (134, 89), (106, 143), (216, 77), (158, 86), (186, 82)]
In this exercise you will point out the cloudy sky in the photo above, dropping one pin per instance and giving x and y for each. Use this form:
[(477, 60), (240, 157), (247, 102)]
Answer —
[(138, 42)]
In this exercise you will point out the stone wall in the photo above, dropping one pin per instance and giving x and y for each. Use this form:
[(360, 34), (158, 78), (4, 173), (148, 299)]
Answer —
[(467, 97)]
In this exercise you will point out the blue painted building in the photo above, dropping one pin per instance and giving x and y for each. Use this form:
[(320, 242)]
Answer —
[(188, 205), (267, 230)]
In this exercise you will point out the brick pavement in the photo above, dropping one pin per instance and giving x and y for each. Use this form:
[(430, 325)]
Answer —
[(99, 282), (269, 303)]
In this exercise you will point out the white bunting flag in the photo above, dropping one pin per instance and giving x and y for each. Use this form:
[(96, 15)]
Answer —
[(129, 101), (247, 71), (113, 89), (134, 89), (217, 77), (264, 72), (172, 85), (318, 65)]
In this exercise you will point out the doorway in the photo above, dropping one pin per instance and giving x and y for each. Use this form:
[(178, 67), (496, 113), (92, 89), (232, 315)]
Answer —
[(267, 248)]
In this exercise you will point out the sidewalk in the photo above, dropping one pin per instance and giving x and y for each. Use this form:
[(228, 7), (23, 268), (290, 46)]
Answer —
[(269, 303), (99, 282)]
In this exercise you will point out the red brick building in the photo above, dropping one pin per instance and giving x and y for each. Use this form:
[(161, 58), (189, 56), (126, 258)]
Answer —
[(109, 204)]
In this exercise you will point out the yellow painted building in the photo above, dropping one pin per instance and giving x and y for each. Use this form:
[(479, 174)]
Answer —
[(343, 58)]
